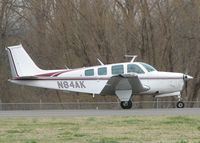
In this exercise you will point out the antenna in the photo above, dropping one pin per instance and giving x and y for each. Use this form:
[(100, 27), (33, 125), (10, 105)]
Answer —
[(131, 56), (66, 67), (100, 62)]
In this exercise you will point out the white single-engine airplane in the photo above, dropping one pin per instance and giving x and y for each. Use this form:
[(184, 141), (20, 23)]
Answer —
[(123, 80)]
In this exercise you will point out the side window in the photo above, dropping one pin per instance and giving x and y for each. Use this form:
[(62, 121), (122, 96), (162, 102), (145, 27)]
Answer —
[(134, 68), (117, 69), (89, 72), (102, 71)]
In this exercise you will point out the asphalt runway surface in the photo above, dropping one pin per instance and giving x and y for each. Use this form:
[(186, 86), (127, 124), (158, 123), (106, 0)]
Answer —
[(82, 113)]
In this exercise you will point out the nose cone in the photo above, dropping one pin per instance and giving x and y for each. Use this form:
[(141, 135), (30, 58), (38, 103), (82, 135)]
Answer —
[(187, 77)]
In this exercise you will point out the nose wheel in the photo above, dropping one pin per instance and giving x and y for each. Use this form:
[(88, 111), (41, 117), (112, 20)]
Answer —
[(126, 104), (180, 104)]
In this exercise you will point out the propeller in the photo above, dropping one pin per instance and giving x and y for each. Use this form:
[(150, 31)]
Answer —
[(186, 77)]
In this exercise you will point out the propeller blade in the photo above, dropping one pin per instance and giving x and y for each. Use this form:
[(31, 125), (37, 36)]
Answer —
[(186, 77), (186, 87)]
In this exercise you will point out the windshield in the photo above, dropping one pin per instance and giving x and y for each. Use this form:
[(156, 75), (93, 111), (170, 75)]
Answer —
[(148, 67), (134, 68)]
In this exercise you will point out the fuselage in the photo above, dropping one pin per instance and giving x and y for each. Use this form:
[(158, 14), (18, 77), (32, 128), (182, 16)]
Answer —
[(93, 79)]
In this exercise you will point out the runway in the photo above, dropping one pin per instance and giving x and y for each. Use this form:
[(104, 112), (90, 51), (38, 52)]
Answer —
[(82, 113)]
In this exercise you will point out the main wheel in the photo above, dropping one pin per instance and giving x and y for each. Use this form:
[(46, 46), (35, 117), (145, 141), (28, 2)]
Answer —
[(180, 104), (126, 104)]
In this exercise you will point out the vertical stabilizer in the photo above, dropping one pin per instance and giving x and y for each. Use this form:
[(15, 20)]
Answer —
[(20, 62)]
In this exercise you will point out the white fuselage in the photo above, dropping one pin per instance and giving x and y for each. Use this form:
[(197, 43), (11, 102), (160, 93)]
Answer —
[(121, 79), (91, 80)]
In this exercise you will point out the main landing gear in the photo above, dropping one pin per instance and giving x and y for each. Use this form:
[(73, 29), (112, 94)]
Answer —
[(125, 98), (126, 104)]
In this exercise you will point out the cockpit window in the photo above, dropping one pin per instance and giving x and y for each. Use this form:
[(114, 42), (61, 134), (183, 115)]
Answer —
[(134, 68), (148, 67)]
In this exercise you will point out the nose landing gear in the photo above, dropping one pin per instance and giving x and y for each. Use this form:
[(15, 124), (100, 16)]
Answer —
[(180, 104)]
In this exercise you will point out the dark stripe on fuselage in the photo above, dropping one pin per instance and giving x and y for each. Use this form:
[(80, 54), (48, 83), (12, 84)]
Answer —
[(94, 78)]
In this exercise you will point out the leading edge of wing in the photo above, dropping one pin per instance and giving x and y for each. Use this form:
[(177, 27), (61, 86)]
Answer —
[(124, 82)]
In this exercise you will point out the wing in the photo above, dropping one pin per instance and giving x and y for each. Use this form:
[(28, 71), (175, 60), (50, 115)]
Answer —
[(124, 82)]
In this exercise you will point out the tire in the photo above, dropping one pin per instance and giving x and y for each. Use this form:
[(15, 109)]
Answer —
[(126, 104), (180, 104)]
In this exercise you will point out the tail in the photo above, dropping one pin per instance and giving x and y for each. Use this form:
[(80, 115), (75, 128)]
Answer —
[(20, 62)]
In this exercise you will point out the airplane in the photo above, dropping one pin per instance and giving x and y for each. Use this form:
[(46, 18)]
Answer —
[(123, 80)]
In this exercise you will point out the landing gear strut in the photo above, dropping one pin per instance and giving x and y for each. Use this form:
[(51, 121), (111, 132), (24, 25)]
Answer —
[(126, 104), (180, 104)]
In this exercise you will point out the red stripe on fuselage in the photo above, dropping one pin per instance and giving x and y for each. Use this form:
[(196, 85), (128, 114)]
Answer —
[(160, 78), (75, 78), (53, 74)]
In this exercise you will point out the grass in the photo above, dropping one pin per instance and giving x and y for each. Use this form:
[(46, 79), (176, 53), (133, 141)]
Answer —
[(160, 129)]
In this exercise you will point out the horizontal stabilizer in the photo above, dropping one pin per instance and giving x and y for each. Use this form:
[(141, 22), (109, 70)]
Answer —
[(27, 78)]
